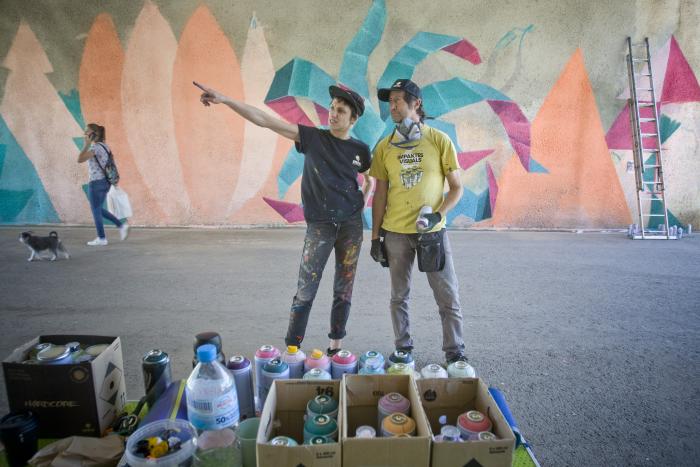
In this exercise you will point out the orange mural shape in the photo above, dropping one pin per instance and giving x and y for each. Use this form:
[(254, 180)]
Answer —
[(209, 139), (99, 84), (582, 189)]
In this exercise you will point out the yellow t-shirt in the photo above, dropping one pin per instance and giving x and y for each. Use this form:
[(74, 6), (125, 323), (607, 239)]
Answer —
[(416, 174)]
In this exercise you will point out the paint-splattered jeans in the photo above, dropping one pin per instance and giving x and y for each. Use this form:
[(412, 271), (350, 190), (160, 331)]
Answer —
[(321, 238), (401, 250)]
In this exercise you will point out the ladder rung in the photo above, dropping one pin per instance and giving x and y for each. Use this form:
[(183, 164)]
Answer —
[(644, 89), (651, 166), (650, 149), (649, 134), (643, 74), (651, 194), (653, 215), (642, 120), (640, 60), (645, 104), (652, 183)]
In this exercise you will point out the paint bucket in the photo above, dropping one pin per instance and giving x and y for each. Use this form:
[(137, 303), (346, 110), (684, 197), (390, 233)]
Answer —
[(263, 355), (242, 372), (294, 357), (399, 356), (322, 405), (371, 354), (343, 362), (320, 425), (373, 366), (461, 369), (317, 374), (317, 359), (274, 369), (399, 369), (283, 441), (365, 431), (398, 424), (433, 370), (471, 423), (391, 403)]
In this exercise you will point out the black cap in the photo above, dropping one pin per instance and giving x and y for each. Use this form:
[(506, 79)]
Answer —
[(405, 85), (349, 95)]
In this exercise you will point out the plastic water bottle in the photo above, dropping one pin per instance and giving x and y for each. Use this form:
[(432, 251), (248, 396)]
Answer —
[(421, 222), (212, 401)]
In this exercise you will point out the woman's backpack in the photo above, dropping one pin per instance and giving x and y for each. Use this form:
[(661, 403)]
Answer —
[(110, 169)]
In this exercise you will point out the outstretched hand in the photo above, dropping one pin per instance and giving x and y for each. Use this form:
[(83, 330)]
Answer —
[(209, 96)]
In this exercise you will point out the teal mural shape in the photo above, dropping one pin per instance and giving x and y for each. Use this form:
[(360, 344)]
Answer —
[(668, 127), (72, 102), (23, 199)]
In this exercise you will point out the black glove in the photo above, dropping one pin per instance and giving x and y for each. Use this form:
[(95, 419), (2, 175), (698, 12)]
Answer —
[(378, 253), (433, 219)]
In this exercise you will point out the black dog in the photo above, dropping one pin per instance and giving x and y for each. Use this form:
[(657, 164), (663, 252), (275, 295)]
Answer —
[(37, 245)]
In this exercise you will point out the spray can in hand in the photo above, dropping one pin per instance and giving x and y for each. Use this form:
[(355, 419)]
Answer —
[(422, 222)]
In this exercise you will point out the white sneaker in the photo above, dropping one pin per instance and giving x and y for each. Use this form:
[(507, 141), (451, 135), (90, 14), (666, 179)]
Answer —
[(97, 242), (124, 231)]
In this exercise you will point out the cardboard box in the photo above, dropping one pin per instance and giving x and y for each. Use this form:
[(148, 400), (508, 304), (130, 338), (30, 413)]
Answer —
[(361, 394), (283, 415), (71, 399), (452, 397)]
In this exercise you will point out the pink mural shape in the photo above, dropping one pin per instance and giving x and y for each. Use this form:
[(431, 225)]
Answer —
[(322, 114), (209, 139), (289, 211), (680, 83), (619, 135), (288, 108), (469, 158), (464, 49), (517, 127), (493, 187)]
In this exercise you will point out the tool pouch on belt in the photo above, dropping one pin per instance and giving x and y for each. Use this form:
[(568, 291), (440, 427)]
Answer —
[(431, 251)]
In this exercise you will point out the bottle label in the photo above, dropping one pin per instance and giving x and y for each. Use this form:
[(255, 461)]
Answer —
[(213, 414)]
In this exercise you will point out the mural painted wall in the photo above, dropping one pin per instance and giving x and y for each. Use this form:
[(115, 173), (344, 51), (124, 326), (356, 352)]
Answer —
[(533, 95)]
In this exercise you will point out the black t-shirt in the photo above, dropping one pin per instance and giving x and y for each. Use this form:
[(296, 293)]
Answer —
[(329, 189)]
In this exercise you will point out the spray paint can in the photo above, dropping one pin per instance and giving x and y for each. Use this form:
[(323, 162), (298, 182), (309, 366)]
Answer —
[(322, 405), (373, 366), (263, 355), (283, 441), (274, 369), (294, 357), (36, 349), (371, 354), (157, 374), (460, 369), (343, 362), (316, 440), (54, 355), (317, 374), (399, 369), (208, 337), (471, 423), (449, 434), (242, 372), (320, 425), (389, 404), (317, 359), (365, 431), (486, 436), (399, 356), (398, 424), (433, 370), (421, 221)]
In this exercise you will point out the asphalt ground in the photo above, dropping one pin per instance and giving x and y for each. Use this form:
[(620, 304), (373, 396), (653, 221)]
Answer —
[(593, 338)]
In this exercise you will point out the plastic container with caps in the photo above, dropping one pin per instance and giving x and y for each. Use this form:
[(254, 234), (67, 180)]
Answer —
[(177, 428), (212, 400)]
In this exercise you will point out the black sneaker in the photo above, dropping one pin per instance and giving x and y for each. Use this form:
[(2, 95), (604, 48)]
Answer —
[(330, 352), (457, 358)]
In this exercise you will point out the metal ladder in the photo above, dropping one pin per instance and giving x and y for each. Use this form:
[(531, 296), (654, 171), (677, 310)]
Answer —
[(648, 168)]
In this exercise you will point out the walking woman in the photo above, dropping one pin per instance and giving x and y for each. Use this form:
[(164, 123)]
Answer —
[(97, 154)]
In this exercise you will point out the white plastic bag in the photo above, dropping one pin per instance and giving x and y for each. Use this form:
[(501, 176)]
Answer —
[(118, 203)]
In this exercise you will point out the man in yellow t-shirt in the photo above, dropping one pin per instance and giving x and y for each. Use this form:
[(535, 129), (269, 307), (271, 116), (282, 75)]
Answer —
[(411, 166)]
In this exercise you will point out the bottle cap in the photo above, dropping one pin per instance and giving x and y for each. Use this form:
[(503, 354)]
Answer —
[(292, 349), (316, 353), (206, 353)]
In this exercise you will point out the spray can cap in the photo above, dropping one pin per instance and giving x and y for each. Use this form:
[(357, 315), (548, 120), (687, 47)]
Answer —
[(317, 353), (292, 349)]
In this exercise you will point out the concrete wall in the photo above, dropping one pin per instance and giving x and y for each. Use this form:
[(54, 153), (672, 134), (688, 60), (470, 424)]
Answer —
[(531, 92)]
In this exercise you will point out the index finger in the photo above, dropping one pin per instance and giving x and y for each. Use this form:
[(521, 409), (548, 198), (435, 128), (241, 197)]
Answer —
[(201, 87)]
